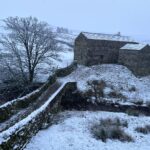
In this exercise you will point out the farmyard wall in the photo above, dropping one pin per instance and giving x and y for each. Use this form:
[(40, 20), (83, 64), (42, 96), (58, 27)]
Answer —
[(9, 108), (16, 137)]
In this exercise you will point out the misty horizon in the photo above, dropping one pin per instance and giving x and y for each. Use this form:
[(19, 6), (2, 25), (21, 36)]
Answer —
[(99, 16)]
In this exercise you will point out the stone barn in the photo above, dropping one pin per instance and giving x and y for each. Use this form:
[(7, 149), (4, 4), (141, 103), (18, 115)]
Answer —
[(95, 48), (136, 57)]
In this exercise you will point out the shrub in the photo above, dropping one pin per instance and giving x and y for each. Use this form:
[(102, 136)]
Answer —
[(96, 89), (118, 133), (114, 122), (139, 102), (132, 89), (101, 134), (148, 103), (144, 130), (115, 94), (111, 129), (132, 112)]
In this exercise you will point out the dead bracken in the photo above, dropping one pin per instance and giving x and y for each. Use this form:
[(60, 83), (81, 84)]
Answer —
[(111, 129)]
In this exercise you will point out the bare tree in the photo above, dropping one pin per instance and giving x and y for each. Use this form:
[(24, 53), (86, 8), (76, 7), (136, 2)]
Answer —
[(96, 89), (26, 43)]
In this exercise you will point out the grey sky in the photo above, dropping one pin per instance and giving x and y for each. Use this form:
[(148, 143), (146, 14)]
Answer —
[(130, 17)]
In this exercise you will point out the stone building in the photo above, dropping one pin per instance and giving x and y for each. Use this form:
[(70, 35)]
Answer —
[(95, 48), (136, 57)]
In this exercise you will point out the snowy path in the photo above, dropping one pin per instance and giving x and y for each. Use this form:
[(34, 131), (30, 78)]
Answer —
[(73, 133), (22, 113)]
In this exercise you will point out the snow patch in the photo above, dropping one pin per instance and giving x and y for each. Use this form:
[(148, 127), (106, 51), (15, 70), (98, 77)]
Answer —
[(74, 133)]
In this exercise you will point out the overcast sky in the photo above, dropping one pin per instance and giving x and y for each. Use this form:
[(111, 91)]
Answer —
[(130, 17)]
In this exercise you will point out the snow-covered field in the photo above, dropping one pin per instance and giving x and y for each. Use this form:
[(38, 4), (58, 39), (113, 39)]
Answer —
[(73, 133), (68, 37), (118, 78)]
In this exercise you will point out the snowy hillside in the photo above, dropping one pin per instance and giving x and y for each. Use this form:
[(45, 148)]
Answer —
[(73, 133), (118, 78), (67, 38)]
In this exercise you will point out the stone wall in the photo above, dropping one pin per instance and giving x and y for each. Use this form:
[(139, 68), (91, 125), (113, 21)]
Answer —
[(138, 61), (103, 52), (129, 59), (80, 50), (144, 63), (66, 71), (18, 139), (8, 109), (76, 101)]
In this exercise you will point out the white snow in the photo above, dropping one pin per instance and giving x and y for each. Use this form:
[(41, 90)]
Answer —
[(117, 77), (66, 59), (134, 46), (110, 37), (5, 134), (73, 133), (68, 38)]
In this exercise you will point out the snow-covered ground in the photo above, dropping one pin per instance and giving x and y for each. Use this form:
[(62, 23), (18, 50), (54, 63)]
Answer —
[(117, 77), (73, 133), (67, 37)]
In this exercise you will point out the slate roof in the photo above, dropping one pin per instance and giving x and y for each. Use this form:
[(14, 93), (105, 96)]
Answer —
[(109, 37), (134, 46)]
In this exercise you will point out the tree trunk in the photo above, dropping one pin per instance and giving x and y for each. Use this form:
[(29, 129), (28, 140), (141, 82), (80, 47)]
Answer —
[(31, 76)]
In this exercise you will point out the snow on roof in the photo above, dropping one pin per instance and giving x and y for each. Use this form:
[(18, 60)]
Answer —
[(134, 46), (110, 37)]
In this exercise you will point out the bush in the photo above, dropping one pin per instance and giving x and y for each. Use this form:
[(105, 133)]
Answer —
[(115, 94), (148, 103), (132, 89), (111, 129), (132, 112), (118, 133), (114, 122), (101, 134), (144, 130), (139, 102), (96, 89)]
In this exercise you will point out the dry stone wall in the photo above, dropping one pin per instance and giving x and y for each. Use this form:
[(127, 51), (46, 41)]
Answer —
[(138, 61), (8, 109), (17, 139)]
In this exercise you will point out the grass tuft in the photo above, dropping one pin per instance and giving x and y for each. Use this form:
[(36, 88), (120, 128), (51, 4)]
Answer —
[(144, 130), (111, 129)]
